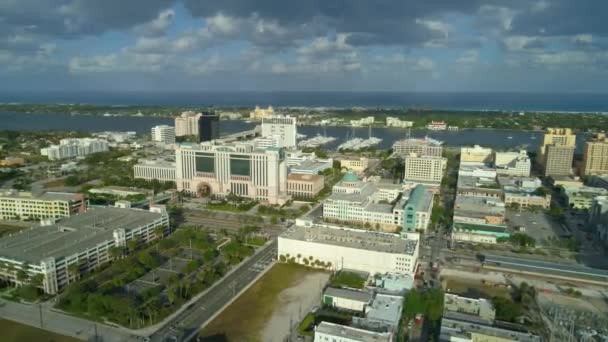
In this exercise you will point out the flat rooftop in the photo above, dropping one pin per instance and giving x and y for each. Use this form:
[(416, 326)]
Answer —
[(474, 206), (47, 196), (73, 234), (488, 183), (480, 228), (462, 329), (304, 177), (356, 295), (385, 308), (352, 238), (351, 333)]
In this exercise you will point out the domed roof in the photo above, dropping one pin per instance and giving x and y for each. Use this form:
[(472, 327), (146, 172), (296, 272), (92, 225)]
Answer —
[(350, 177)]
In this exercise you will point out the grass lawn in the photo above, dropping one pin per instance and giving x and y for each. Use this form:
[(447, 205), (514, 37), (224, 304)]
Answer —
[(347, 279), (16, 332), (475, 288), (244, 319), (6, 229), (55, 183)]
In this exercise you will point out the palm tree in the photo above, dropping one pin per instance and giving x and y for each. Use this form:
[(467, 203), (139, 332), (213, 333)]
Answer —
[(159, 232), (73, 271), (115, 252)]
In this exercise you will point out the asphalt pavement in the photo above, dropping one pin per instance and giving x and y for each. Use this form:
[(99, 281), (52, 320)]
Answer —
[(187, 324)]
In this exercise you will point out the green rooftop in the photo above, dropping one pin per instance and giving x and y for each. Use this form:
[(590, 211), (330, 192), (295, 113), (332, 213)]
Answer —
[(350, 178)]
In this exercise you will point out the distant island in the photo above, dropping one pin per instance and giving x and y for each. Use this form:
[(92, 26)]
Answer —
[(419, 117)]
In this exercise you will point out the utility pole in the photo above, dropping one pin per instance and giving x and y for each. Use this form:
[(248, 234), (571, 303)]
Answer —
[(40, 311)]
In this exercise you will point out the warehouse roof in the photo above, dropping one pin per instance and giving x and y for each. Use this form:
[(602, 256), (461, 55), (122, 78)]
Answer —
[(356, 295)]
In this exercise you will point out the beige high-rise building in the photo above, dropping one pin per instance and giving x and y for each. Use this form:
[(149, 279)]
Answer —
[(424, 169), (595, 156), (187, 124), (557, 151)]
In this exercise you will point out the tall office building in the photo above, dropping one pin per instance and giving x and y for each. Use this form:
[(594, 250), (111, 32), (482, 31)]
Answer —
[(219, 170), (558, 161), (164, 134), (424, 169), (557, 151), (208, 127), (595, 156), (282, 128), (187, 124)]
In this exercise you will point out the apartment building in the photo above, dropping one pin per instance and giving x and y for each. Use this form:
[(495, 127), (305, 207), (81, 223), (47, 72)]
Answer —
[(187, 124), (338, 247), (221, 169), (26, 206), (282, 128), (304, 185), (84, 240), (424, 169), (425, 147), (595, 156), (155, 169), (164, 134), (74, 147)]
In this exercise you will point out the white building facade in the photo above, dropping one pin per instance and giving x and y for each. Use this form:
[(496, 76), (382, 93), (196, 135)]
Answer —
[(346, 248), (164, 134), (160, 170), (239, 169), (187, 124), (74, 147), (281, 128)]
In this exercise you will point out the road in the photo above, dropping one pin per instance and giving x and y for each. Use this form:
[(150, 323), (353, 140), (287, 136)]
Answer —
[(187, 323), (538, 266)]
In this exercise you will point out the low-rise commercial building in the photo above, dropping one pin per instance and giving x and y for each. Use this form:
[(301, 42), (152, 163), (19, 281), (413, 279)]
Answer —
[(326, 332), (581, 197), (375, 205), (304, 185), (479, 210), (357, 165), (477, 307), (479, 233), (74, 147), (347, 299), (363, 122), (383, 314), (513, 163), (396, 122), (347, 248), (476, 154), (120, 191), (427, 170), (83, 240), (524, 192), (421, 147), (463, 331), (26, 206), (477, 179), (155, 169), (312, 167), (12, 161)]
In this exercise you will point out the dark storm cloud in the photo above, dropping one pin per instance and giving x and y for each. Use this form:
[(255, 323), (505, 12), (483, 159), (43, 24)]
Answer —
[(564, 18), (74, 18), (382, 22)]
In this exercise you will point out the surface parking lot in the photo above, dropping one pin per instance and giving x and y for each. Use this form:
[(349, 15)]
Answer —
[(537, 225)]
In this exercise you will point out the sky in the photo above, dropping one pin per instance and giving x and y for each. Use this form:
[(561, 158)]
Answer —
[(311, 45)]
